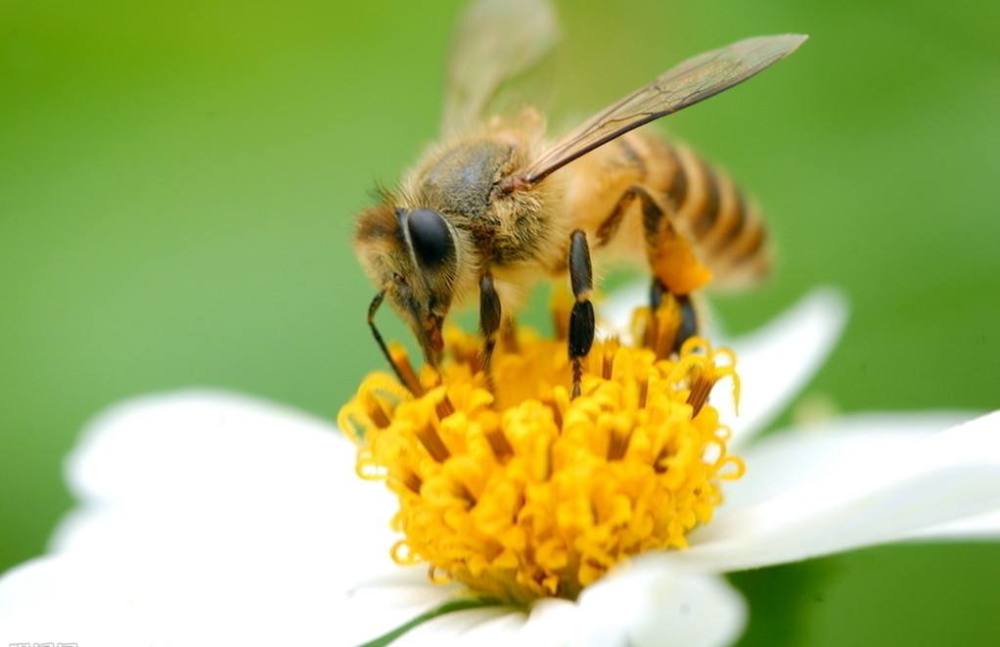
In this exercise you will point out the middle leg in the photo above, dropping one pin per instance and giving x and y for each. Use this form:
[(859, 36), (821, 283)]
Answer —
[(580, 336)]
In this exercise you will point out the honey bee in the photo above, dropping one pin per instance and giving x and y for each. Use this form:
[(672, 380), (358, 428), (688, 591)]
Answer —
[(496, 207)]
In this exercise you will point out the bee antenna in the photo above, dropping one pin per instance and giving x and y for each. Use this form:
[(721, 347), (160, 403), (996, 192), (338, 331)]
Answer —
[(372, 309)]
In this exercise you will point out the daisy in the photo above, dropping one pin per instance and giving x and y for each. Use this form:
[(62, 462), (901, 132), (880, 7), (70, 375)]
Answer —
[(208, 517)]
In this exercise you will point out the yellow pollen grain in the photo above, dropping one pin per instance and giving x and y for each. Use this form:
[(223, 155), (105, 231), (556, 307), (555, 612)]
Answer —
[(521, 492)]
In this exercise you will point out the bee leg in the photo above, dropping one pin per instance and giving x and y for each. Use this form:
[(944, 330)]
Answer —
[(652, 216), (581, 318), (689, 317), (489, 319), (658, 229), (689, 322)]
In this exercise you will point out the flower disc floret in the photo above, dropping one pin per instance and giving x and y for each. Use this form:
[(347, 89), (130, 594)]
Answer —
[(518, 491)]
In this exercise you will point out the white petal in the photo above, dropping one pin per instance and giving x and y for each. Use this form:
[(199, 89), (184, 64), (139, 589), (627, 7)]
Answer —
[(60, 596), (497, 631), (205, 511), (487, 626), (646, 603), (775, 362), (385, 603), (889, 492), (980, 527), (791, 458), (784, 460), (651, 603), (174, 446), (551, 622), (377, 606), (144, 602), (241, 471)]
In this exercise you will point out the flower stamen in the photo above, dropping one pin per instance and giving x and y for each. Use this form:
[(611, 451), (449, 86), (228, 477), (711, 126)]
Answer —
[(520, 491), (701, 386)]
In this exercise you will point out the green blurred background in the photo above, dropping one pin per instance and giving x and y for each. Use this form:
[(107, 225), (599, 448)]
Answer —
[(178, 179)]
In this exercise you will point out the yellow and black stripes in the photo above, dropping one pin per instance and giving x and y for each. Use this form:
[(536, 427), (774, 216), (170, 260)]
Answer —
[(727, 232)]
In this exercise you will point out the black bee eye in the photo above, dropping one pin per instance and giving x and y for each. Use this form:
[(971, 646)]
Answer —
[(430, 237)]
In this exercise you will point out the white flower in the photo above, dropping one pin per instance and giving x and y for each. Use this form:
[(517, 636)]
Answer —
[(209, 518)]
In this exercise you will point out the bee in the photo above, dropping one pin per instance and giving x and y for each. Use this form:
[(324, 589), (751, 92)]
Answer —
[(497, 206)]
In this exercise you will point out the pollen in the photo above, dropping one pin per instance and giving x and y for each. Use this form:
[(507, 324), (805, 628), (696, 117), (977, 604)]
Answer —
[(519, 491)]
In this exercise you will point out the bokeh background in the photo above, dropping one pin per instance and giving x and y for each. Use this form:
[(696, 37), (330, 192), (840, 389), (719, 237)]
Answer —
[(178, 179)]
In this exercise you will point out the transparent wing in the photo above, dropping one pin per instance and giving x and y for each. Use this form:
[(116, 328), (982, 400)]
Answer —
[(494, 41), (692, 81)]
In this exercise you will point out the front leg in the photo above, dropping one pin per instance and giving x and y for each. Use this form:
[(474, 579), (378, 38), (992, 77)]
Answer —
[(581, 318), (489, 319)]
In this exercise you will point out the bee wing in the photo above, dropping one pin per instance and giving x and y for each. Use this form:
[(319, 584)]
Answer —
[(692, 81), (494, 41)]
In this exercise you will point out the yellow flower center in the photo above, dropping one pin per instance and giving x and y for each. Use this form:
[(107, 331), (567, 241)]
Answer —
[(520, 492)]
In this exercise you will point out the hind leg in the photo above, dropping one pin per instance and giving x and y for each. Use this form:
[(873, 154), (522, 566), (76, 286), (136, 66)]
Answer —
[(686, 321), (676, 270)]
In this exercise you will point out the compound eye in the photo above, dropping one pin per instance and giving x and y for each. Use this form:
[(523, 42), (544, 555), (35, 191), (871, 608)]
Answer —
[(430, 237)]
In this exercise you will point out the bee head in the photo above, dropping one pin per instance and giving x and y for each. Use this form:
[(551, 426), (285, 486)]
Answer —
[(412, 256)]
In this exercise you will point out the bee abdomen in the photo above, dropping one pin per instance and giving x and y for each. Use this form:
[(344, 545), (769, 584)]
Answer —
[(728, 232)]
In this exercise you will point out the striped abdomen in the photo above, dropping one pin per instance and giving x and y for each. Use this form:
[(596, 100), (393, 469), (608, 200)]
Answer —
[(728, 233)]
